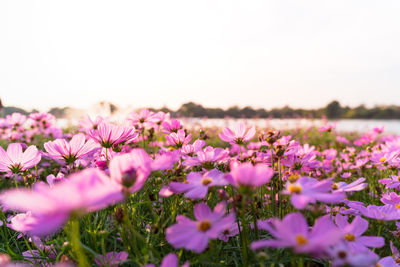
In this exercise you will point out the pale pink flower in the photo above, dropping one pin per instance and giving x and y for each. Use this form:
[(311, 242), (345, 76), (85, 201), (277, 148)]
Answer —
[(69, 152), (238, 135), (15, 161)]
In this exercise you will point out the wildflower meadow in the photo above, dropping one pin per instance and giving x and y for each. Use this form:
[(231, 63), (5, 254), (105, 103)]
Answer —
[(152, 191)]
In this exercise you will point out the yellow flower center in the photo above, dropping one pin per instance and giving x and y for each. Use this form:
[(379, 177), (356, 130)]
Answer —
[(350, 237), (294, 177), (398, 178), (301, 240), (206, 181), (295, 188), (204, 225), (335, 186), (383, 159), (397, 206)]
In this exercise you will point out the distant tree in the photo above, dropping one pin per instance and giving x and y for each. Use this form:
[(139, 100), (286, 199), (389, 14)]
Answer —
[(192, 110), (333, 109), (233, 112), (113, 108), (248, 112)]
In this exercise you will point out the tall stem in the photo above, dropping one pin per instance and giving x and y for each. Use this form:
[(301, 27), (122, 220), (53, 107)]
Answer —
[(74, 236)]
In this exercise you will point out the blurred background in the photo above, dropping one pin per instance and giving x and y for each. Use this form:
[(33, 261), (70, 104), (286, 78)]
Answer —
[(215, 59)]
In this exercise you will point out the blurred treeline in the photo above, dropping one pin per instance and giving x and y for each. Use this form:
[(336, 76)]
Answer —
[(334, 110)]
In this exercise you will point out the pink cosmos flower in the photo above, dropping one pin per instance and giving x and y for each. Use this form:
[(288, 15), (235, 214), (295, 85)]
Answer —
[(14, 161), (357, 185), (387, 262), (131, 170), (390, 198), (309, 190), (197, 184), (207, 157), (248, 175), (52, 180), (109, 135), (41, 119), (342, 256), (395, 251), (144, 119), (111, 259), (352, 233), (238, 135), (392, 182), (383, 159), (382, 213), (166, 160), (171, 127), (88, 124), (343, 140), (328, 127), (16, 120), (69, 152), (171, 260), (346, 175), (46, 207), (194, 235), (178, 139), (293, 231), (189, 149), (232, 231), (160, 117)]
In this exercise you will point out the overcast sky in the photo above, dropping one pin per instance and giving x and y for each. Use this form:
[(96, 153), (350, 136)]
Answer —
[(217, 53)]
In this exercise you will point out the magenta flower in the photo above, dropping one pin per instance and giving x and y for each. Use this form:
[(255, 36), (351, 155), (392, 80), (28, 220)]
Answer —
[(383, 159), (46, 207), (131, 170), (111, 259), (238, 135), (171, 260), (69, 152), (383, 213), (178, 139), (342, 256), (248, 175), (391, 198), (352, 233), (109, 135), (387, 262), (293, 231), (392, 182), (232, 231), (309, 190), (197, 184), (194, 235), (15, 161)]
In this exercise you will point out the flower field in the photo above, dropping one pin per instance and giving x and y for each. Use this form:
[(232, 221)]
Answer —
[(155, 192)]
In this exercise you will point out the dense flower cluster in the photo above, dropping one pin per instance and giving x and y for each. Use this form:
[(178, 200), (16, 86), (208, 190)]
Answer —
[(154, 192)]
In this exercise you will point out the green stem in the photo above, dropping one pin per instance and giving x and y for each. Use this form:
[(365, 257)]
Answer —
[(74, 236)]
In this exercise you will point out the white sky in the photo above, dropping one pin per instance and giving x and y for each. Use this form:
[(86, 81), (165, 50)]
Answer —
[(217, 53)]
